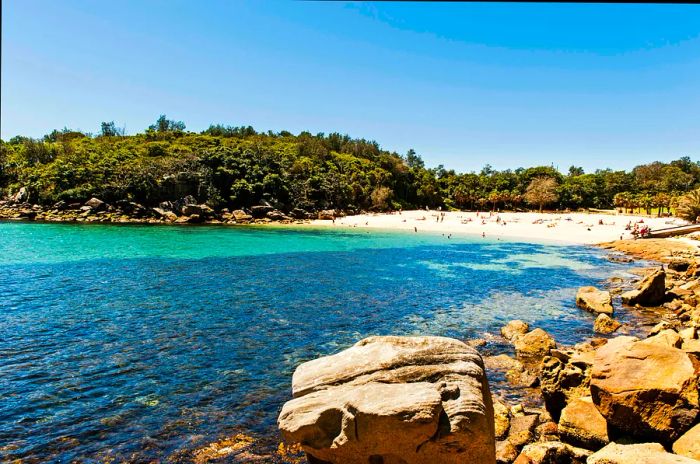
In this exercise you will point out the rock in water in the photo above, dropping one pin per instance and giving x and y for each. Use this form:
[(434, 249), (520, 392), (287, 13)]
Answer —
[(642, 453), (605, 324), (647, 390), (651, 291), (408, 400), (534, 344), (594, 300), (514, 329)]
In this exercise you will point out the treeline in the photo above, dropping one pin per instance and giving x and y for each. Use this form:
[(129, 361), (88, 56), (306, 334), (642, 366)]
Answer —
[(237, 167)]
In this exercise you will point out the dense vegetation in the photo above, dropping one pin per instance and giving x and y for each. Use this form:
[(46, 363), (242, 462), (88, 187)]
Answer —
[(238, 167)]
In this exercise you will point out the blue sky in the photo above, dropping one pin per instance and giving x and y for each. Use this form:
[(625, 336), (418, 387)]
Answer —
[(463, 84)]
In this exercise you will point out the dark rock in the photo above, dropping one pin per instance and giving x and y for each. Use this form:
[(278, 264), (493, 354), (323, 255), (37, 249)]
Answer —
[(651, 291), (260, 211)]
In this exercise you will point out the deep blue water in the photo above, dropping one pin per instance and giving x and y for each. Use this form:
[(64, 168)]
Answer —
[(133, 343)]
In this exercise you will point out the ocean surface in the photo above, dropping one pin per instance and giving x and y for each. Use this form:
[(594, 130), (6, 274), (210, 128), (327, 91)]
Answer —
[(134, 343)]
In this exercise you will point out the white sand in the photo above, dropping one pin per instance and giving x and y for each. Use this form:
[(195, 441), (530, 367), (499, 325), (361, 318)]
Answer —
[(575, 228)]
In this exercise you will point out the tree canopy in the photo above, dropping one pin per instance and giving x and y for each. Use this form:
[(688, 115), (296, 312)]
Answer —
[(237, 166)]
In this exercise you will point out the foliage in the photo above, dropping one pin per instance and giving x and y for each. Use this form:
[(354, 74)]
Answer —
[(237, 166), (689, 206)]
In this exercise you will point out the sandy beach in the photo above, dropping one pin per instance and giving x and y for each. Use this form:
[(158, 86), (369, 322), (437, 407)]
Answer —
[(574, 228)]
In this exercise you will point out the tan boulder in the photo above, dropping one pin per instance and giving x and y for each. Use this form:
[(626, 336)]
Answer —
[(688, 445), (514, 329), (647, 390), (650, 292), (594, 300), (605, 324), (582, 424), (522, 430), (241, 216), (408, 400), (506, 453), (565, 378), (641, 453), (534, 344), (552, 452)]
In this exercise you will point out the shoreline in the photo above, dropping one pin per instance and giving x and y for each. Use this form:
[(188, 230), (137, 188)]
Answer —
[(566, 228)]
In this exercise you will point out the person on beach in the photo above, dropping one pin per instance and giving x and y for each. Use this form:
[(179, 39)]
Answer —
[(415, 229), (483, 234)]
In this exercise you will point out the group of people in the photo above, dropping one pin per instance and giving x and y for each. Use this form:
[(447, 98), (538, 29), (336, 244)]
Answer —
[(638, 231)]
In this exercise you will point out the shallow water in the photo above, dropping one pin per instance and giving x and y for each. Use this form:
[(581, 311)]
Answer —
[(135, 342)]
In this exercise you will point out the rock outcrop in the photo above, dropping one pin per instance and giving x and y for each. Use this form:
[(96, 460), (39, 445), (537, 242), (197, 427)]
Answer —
[(650, 292), (594, 300), (641, 453), (646, 390), (393, 400)]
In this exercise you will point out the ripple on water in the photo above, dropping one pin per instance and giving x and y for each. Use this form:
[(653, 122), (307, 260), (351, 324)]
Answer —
[(142, 342)]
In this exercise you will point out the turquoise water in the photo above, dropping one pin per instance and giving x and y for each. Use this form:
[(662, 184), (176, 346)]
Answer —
[(137, 342)]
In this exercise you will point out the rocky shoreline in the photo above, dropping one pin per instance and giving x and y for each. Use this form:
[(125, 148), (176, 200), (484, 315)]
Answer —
[(184, 211), (611, 399)]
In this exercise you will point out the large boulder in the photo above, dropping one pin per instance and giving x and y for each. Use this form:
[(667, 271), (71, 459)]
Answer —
[(689, 444), (393, 400), (95, 204), (594, 300), (21, 196), (641, 453), (327, 214), (650, 292), (241, 216), (582, 424), (534, 344), (647, 390), (200, 210)]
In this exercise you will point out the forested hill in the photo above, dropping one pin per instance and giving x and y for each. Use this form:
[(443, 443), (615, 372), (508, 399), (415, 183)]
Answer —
[(238, 167)]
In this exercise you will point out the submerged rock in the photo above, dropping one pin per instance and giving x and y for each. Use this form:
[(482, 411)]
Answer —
[(647, 390), (393, 399), (594, 300)]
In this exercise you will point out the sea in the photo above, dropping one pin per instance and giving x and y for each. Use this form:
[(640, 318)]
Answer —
[(137, 343)]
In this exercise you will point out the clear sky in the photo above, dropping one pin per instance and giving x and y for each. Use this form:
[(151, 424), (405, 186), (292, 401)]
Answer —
[(463, 84)]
